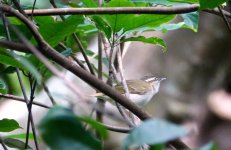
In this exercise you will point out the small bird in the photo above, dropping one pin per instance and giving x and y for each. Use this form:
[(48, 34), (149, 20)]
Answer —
[(141, 91)]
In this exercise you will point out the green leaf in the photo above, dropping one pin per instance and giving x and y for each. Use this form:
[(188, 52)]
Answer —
[(9, 70), (43, 20), (124, 23), (3, 89), (151, 40), (209, 146), (43, 71), (102, 25), (21, 62), (190, 22), (14, 143), (20, 26), (54, 33), (157, 147), (60, 129), (210, 4), (83, 32), (89, 3), (154, 131), (22, 136), (7, 59), (97, 126), (8, 125), (67, 52), (29, 67), (89, 52)]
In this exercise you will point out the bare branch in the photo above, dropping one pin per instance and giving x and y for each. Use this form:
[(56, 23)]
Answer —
[(16, 98), (14, 46), (217, 12), (117, 129), (115, 10), (224, 18)]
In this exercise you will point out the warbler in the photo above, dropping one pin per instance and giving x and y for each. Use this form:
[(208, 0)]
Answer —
[(141, 91)]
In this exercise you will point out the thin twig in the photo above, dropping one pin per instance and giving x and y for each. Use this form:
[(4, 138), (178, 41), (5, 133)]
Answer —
[(110, 80), (121, 72), (17, 5), (33, 8), (81, 48), (48, 93), (124, 83), (16, 98), (100, 103), (216, 12), (120, 108), (29, 106), (124, 115), (73, 57), (105, 43), (78, 41), (117, 129), (115, 10), (5, 23), (224, 18), (100, 56), (78, 62), (3, 144)]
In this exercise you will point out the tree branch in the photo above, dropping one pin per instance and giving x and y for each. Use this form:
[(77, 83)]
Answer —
[(216, 12), (16, 98), (114, 10), (15, 46)]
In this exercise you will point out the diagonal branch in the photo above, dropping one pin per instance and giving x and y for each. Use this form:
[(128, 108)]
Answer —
[(64, 62), (224, 18)]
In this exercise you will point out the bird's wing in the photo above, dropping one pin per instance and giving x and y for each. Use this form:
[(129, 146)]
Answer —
[(137, 87)]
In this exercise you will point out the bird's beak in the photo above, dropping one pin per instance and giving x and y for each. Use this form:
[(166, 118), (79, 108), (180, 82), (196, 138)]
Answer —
[(161, 79)]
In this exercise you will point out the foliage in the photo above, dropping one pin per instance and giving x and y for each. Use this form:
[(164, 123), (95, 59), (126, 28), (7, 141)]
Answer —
[(209, 146), (7, 125), (3, 89), (146, 133), (14, 143), (61, 127)]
